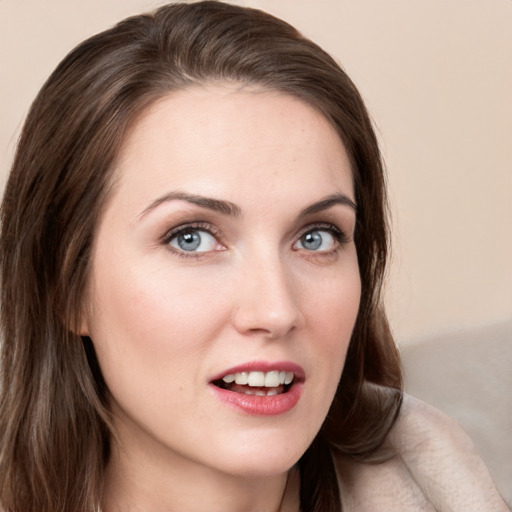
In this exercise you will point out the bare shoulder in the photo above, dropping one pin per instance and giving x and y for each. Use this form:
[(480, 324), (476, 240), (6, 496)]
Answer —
[(432, 467), (442, 460)]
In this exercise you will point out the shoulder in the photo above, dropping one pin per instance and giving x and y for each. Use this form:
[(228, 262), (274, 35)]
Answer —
[(434, 467), (442, 460)]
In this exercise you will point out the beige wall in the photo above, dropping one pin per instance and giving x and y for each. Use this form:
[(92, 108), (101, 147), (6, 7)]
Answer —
[(437, 77)]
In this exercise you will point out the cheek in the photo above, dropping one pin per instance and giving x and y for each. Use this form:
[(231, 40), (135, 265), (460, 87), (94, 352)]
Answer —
[(334, 302), (337, 323), (332, 311), (152, 318)]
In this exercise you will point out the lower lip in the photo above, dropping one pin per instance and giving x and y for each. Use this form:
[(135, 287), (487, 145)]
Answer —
[(261, 405)]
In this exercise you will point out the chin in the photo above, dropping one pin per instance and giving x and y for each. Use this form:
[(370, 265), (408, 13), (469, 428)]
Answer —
[(261, 467), (261, 457)]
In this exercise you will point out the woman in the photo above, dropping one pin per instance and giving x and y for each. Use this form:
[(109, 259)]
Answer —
[(193, 244)]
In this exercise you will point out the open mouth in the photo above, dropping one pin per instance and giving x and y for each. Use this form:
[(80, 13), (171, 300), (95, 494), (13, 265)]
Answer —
[(257, 383)]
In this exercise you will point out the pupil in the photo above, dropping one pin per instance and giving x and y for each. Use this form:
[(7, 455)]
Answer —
[(189, 241), (312, 240)]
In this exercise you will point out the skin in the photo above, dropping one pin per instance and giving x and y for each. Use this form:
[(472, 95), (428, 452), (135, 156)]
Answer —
[(164, 321)]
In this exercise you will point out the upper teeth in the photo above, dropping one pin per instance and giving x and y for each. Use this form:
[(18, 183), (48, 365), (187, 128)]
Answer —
[(268, 379)]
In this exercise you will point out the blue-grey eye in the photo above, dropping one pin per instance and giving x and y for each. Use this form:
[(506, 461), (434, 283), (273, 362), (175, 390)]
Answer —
[(195, 240), (316, 240)]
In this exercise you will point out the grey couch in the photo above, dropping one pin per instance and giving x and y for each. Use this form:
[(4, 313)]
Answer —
[(468, 375)]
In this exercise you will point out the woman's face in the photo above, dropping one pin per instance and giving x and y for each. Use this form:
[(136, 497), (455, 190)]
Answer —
[(224, 264)]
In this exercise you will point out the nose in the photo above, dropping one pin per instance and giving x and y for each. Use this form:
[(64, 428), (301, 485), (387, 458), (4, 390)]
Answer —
[(267, 301)]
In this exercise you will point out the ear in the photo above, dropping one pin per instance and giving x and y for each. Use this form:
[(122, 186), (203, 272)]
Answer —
[(83, 320), (78, 322), (83, 327), (82, 317)]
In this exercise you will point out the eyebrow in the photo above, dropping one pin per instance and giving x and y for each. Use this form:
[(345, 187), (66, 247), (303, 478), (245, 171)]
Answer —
[(218, 205), (327, 203), (229, 208)]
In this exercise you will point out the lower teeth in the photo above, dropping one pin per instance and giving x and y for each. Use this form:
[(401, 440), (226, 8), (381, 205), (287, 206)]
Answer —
[(260, 392), (254, 391)]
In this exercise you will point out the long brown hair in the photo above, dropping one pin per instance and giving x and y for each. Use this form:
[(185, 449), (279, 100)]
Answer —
[(54, 417)]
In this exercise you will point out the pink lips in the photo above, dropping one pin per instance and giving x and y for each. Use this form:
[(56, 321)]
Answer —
[(262, 405)]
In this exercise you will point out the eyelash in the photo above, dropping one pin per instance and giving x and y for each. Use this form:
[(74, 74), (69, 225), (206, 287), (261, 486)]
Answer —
[(339, 235), (187, 228)]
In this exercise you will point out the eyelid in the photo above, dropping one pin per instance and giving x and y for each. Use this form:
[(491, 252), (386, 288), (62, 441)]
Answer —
[(340, 235), (186, 227), (190, 226)]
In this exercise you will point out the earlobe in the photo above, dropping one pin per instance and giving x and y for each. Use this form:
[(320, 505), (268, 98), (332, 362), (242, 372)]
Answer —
[(83, 328), (80, 324), (77, 323), (81, 320)]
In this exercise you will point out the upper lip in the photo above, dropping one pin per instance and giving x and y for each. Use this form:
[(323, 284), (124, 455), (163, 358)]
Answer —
[(264, 366)]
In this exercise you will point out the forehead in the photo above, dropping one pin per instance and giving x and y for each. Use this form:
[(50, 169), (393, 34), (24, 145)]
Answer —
[(217, 137)]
